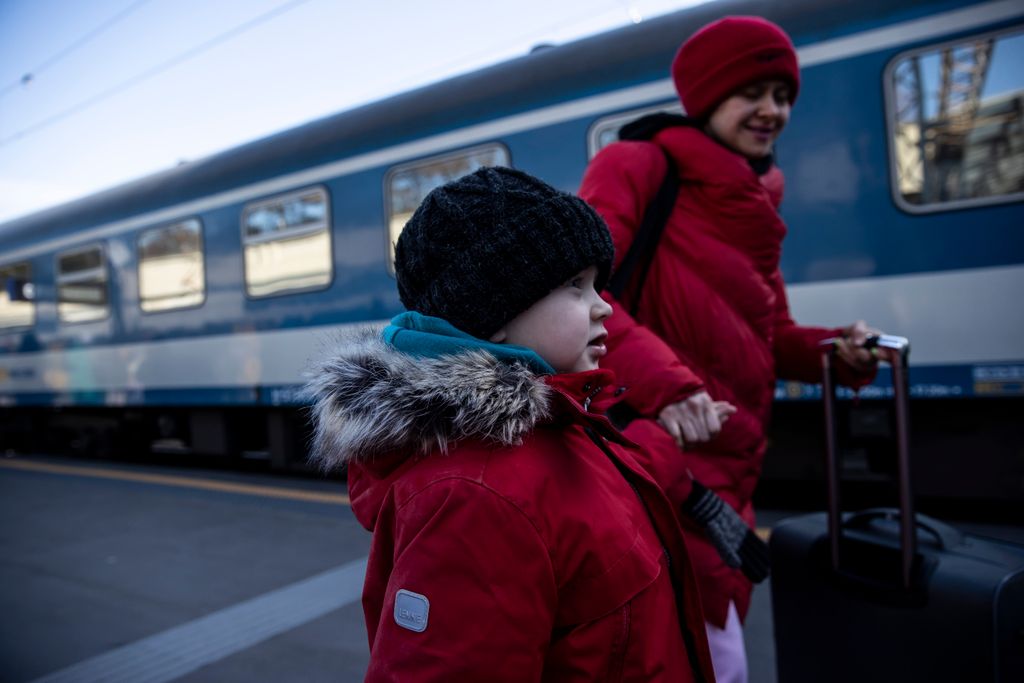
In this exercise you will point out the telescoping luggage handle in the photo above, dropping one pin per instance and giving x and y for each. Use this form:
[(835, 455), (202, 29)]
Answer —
[(895, 351)]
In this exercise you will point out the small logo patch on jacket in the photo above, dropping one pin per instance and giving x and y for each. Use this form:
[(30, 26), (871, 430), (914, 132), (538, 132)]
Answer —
[(411, 610)]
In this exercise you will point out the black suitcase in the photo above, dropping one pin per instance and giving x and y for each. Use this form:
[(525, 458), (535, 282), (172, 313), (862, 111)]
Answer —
[(887, 595)]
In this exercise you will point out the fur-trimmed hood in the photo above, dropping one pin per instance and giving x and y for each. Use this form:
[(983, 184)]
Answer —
[(370, 399)]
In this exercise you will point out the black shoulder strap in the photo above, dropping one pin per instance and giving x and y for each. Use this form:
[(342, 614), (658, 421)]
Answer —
[(637, 262), (646, 127)]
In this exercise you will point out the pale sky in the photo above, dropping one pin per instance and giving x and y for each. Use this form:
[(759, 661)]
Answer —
[(94, 93)]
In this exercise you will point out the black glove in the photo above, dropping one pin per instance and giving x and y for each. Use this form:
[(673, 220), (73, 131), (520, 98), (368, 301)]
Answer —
[(736, 542)]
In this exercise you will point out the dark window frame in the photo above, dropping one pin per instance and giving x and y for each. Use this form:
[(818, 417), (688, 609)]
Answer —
[(138, 264), (408, 165), (889, 92), (327, 228), (32, 302), (60, 278)]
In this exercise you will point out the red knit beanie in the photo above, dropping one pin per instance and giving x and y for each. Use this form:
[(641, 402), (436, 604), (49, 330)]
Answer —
[(726, 55)]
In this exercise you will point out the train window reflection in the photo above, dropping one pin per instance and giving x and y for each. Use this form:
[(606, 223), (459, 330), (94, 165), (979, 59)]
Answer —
[(16, 306), (82, 285), (171, 271), (957, 123), (287, 243), (407, 185), (605, 130)]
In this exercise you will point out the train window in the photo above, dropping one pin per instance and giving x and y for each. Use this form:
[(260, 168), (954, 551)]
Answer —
[(287, 243), (407, 185), (16, 306), (171, 271), (956, 115), (605, 131), (82, 285)]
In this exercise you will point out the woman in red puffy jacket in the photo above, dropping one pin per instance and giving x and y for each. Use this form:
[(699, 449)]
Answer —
[(714, 326)]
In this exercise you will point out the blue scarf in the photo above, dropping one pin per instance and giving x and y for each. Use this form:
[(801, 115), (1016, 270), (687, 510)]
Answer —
[(427, 337)]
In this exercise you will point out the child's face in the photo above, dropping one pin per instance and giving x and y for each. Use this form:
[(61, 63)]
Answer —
[(566, 327), (751, 118)]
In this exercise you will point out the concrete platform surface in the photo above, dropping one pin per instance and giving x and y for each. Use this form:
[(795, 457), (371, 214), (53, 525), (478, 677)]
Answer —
[(131, 572)]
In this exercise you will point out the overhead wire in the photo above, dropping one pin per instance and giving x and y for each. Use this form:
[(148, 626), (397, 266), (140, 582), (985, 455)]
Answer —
[(32, 74), (153, 71), (190, 54)]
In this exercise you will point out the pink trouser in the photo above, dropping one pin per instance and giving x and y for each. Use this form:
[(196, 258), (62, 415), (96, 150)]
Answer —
[(727, 652)]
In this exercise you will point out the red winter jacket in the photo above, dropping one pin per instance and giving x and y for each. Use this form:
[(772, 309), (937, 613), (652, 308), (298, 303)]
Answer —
[(515, 537), (715, 302)]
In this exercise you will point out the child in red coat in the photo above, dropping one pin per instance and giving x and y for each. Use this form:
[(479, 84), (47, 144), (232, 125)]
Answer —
[(516, 537)]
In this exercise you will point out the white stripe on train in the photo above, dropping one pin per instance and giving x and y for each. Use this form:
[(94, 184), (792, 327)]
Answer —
[(940, 312)]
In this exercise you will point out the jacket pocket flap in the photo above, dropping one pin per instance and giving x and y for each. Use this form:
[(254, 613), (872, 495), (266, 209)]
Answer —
[(590, 596)]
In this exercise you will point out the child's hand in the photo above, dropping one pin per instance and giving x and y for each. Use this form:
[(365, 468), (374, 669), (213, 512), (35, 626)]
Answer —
[(724, 409), (696, 419)]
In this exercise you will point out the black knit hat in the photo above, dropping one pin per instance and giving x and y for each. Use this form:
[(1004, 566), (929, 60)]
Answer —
[(482, 249)]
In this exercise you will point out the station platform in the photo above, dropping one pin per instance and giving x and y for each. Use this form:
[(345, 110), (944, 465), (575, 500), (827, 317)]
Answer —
[(122, 572)]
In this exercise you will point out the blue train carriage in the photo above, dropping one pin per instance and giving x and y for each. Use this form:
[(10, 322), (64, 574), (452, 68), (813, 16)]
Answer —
[(176, 313)]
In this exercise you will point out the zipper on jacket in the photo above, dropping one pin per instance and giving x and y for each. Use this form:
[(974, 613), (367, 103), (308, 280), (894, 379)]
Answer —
[(590, 397)]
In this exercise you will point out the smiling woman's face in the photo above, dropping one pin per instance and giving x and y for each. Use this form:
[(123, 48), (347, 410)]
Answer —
[(750, 119)]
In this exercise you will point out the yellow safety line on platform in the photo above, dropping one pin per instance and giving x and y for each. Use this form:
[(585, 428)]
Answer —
[(184, 482), (209, 484)]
